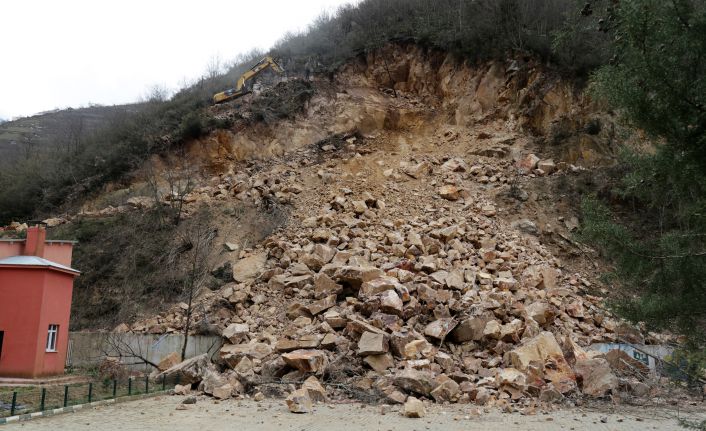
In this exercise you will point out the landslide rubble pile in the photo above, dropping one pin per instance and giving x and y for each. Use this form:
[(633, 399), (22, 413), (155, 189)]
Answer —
[(399, 275), (447, 303)]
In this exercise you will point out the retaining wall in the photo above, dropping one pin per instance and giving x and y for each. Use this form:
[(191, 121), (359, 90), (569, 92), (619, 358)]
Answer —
[(88, 349)]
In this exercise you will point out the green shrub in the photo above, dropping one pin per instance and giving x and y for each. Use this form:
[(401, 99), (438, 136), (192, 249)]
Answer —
[(191, 126)]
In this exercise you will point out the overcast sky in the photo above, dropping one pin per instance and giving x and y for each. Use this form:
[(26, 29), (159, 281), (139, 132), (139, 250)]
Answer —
[(69, 53)]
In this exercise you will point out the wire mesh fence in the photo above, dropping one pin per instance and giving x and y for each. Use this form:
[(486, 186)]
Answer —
[(30, 399)]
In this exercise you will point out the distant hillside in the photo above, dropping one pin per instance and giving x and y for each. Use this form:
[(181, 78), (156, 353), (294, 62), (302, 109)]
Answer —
[(18, 138)]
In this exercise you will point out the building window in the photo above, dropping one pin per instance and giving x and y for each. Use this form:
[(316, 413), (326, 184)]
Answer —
[(642, 357), (2, 336), (51, 338)]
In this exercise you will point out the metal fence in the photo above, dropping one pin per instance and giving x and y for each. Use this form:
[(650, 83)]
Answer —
[(30, 399)]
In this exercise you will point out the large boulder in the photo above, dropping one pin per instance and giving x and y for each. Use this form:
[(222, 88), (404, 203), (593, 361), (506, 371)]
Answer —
[(169, 361), (316, 391), (528, 162), (390, 302), (373, 343), (537, 349), (249, 268), (321, 305), (215, 382), (324, 285), (224, 391), (308, 361), (189, 371), (354, 276), (418, 381), (299, 401), (231, 354), (449, 192), (541, 312), (470, 329), (512, 381), (440, 328), (595, 377), (417, 171), (445, 391), (380, 363), (379, 285), (543, 351), (547, 166), (414, 408), (622, 363), (236, 332)]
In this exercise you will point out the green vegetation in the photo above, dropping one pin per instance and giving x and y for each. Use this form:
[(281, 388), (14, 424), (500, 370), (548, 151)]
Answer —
[(48, 175), (553, 30), (653, 226)]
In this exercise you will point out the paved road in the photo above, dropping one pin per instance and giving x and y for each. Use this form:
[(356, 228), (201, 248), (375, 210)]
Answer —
[(160, 414)]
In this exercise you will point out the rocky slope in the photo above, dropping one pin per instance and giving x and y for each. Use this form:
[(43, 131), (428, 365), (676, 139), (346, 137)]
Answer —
[(402, 276), (407, 266), (417, 258)]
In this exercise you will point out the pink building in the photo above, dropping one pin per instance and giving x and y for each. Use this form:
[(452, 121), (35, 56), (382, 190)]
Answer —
[(36, 284)]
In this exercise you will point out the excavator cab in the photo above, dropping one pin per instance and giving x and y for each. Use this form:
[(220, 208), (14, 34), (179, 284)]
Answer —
[(241, 87)]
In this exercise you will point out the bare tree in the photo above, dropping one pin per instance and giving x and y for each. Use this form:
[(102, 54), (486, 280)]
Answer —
[(175, 183), (71, 133), (195, 243), (180, 180), (116, 345), (28, 145), (214, 68), (156, 93)]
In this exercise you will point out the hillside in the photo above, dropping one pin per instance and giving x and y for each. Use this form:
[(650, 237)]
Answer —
[(434, 207), (21, 138), (478, 113), (399, 215)]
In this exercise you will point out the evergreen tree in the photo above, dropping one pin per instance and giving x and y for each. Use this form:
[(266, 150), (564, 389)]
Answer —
[(657, 80)]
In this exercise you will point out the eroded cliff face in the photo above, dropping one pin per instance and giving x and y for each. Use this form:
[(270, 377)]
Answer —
[(415, 91), (525, 95)]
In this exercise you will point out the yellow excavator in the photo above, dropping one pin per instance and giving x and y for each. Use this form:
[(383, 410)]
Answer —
[(240, 89)]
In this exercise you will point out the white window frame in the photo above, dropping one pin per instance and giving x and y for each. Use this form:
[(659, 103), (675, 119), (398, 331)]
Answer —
[(52, 335)]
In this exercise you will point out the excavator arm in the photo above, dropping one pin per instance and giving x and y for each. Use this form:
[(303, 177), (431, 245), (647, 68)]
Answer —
[(240, 89)]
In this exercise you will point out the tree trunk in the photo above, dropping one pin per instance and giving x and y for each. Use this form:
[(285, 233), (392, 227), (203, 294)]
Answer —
[(187, 324)]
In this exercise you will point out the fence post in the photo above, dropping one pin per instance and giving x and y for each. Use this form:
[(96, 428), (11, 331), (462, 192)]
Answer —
[(147, 384), (90, 391), (66, 395), (43, 399), (164, 382), (115, 388), (14, 403), (129, 386)]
